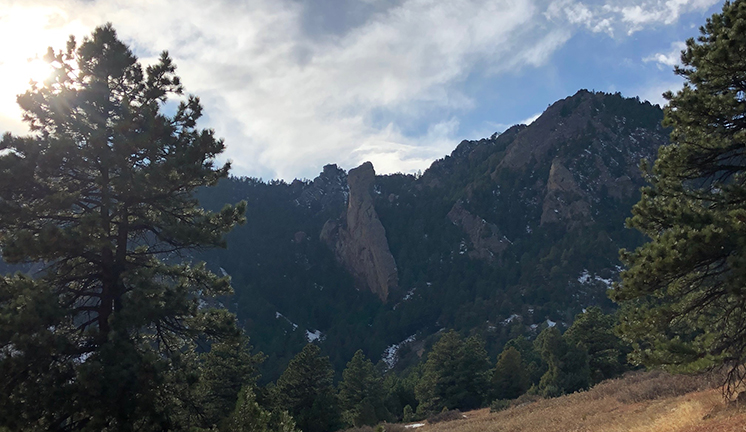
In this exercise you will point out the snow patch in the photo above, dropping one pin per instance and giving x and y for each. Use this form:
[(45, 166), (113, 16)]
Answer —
[(551, 323), (409, 294), (314, 336), (510, 319), (585, 277), (279, 315), (391, 354), (414, 425)]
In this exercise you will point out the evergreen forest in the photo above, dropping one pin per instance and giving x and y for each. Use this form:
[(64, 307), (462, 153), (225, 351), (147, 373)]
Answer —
[(146, 288)]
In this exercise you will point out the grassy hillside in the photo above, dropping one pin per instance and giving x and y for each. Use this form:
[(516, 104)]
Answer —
[(651, 401)]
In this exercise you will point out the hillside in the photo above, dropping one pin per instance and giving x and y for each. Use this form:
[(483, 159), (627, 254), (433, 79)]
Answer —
[(505, 236), (651, 401)]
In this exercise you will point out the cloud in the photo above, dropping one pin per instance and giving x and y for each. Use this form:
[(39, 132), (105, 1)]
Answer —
[(638, 16), (623, 16), (669, 59), (293, 85), (529, 120)]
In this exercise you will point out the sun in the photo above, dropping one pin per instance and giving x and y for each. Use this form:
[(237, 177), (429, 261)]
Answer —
[(28, 30), (35, 70)]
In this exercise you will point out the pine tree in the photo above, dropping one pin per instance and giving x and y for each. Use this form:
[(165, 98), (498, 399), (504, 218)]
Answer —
[(400, 390), (567, 365), (249, 416), (361, 394), (474, 374), (306, 391), (684, 293), (226, 369), (455, 375), (510, 377), (530, 356), (100, 194), (593, 331)]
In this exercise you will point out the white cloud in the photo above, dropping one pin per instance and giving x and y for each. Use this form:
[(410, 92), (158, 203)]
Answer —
[(623, 16), (669, 59), (637, 16), (529, 120), (287, 103)]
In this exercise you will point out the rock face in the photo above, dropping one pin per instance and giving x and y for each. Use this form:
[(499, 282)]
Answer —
[(328, 190), (486, 241), (563, 199), (592, 148), (358, 238)]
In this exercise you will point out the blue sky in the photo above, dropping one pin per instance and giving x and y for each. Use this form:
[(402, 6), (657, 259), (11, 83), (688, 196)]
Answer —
[(295, 84)]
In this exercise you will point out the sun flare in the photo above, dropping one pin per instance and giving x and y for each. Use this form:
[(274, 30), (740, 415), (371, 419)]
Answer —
[(32, 70), (21, 62)]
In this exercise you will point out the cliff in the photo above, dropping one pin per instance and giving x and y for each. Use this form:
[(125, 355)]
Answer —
[(358, 238)]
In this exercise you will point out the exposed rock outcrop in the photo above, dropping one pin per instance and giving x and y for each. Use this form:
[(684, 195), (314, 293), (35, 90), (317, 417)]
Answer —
[(591, 145), (563, 200), (487, 242), (358, 238), (328, 190)]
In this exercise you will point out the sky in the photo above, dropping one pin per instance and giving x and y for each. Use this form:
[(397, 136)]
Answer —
[(292, 85)]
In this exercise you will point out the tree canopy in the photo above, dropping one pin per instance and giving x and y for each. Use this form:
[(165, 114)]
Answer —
[(510, 377), (593, 331), (306, 390), (455, 375), (361, 393), (567, 364), (100, 194), (684, 292)]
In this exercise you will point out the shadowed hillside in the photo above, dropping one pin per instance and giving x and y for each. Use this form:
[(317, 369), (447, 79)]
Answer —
[(505, 236)]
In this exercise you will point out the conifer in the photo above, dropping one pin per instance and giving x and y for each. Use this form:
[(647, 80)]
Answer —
[(684, 293), (100, 196)]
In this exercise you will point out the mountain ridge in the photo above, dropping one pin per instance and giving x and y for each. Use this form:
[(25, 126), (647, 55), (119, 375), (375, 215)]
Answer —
[(525, 224)]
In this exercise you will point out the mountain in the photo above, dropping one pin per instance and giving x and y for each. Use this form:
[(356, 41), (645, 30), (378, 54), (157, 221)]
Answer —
[(503, 237)]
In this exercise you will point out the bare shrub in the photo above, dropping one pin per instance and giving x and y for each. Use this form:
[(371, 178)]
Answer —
[(525, 399), (393, 427), (500, 404), (641, 386), (445, 416)]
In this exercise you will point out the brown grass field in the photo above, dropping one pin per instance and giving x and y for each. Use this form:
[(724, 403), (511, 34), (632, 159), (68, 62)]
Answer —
[(641, 401)]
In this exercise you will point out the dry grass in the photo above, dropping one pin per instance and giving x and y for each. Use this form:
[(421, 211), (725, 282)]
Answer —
[(638, 402)]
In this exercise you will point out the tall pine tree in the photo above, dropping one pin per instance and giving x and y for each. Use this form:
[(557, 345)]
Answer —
[(101, 195), (593, 331), (567, 364), (684, 292), (306, 391), (455, 375), (510, 377), (361, 394)]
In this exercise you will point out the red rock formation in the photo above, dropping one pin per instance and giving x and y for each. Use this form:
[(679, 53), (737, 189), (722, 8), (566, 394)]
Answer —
[(358, 238)]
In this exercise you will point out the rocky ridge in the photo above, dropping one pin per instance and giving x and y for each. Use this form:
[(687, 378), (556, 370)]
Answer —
[(358, 238), (502, 235)]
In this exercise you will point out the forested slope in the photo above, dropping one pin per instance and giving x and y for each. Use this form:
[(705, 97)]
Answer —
[(503, 237)]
